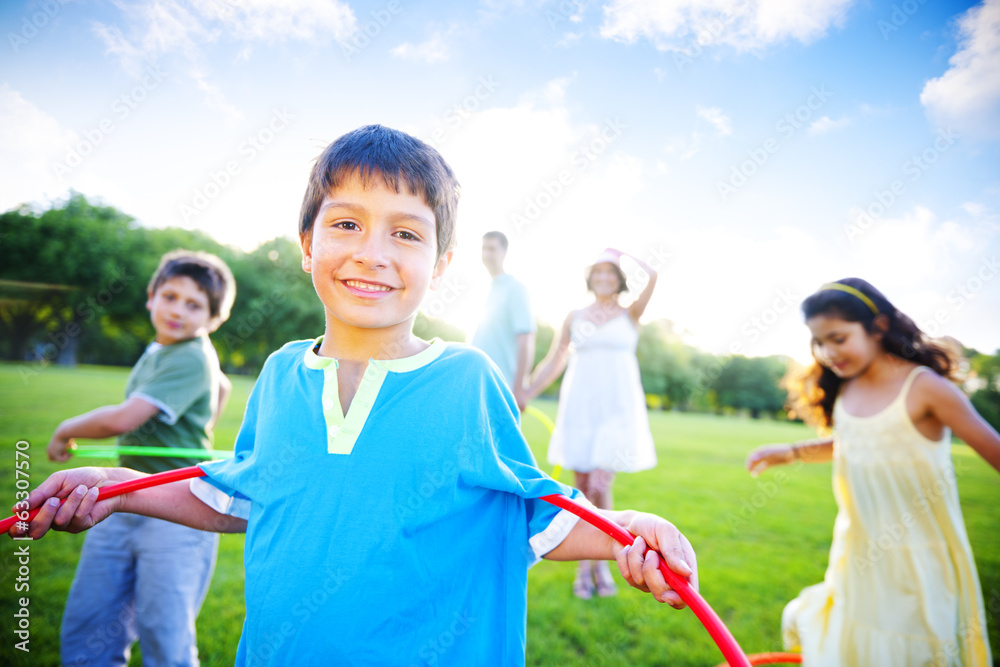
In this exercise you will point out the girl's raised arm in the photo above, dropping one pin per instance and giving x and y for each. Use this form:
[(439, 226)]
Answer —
[(638, 306)]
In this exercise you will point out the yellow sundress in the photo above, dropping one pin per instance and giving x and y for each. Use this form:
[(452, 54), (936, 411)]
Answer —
[(901, 586)]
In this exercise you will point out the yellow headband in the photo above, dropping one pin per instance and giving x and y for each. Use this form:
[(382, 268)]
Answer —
[(851, 290)]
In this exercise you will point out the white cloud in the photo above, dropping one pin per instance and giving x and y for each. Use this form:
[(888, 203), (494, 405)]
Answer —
[(33, 142), (275, 20), (974, 209), (214, 96), (754, 283), (684, 147), (434, 50), (167, 29), (688, 25), (967, 95), (551, 181), (898, 246), (718, 120), (939, 272), (569, 39), (876, 111), (826, 124), (132, 59)]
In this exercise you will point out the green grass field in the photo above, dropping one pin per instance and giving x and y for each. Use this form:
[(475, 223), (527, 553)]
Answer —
[(759, 542)]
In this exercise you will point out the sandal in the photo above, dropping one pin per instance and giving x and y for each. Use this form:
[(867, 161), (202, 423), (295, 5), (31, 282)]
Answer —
[(606, 586), (583, 585)]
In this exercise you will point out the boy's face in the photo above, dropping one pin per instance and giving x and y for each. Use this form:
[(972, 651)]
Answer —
[(179, 310), (372, 253)]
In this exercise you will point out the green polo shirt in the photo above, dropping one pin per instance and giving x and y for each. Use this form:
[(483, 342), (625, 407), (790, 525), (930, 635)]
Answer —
[(182, 380)]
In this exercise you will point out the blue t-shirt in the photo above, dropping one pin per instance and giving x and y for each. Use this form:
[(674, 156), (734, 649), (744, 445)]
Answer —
[(508, 314), (398, 534)]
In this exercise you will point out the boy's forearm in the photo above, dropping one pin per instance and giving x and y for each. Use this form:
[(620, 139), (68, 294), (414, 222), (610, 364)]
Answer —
[(108, 421), (585, 542), (174, 502), (94, 425)]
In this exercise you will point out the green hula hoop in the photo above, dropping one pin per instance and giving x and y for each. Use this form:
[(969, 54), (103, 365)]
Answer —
[(99, 452)]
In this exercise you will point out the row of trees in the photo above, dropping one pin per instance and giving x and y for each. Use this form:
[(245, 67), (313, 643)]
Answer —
[(73, 285), (73, 289)]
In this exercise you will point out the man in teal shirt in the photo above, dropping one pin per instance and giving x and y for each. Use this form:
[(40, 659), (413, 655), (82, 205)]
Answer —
[(507, 332)]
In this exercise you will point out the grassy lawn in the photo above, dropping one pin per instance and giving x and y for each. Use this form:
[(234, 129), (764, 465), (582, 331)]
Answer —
[(759, 541)]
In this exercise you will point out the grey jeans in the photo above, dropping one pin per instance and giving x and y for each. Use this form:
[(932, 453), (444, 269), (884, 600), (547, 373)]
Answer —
[(138, 578)]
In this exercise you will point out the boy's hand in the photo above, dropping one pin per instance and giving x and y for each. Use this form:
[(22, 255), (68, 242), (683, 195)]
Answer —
[(80, 511), (766, 456), (58, 449), (641, 571)]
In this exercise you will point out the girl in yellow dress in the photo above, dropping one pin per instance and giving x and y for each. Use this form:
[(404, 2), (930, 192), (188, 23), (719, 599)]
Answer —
[(901, 586)]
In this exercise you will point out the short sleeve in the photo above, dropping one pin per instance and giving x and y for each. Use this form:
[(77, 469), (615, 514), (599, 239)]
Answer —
[(181, 377), (511, 467), (547, 525), (521, 318), (225, 487)]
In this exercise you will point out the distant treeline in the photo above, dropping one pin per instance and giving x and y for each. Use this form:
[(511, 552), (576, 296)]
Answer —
[(73, 290), (73, 285)]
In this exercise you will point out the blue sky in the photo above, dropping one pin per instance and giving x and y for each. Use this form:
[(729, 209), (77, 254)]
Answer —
[(751, 150)]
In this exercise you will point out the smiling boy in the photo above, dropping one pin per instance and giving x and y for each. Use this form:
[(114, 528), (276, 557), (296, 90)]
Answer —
[(388, 496)]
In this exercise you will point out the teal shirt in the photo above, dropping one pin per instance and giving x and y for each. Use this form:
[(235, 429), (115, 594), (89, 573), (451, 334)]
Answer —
[(398, 534), (182, 380), (508, 314)]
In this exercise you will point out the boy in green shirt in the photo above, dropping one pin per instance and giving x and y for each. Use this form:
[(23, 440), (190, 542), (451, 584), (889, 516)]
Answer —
[(139, 577)]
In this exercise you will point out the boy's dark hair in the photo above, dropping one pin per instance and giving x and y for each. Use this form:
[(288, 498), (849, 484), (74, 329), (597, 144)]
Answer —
[(210, 273), (399, 160), (813, 391), (499, 236)]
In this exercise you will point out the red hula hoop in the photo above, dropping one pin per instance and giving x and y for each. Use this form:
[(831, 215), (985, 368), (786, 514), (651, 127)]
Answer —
[(731, 650), (112, 490), (724, 639)]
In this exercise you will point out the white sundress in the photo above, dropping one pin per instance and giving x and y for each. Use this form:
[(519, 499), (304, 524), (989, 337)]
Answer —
[(602, 421)]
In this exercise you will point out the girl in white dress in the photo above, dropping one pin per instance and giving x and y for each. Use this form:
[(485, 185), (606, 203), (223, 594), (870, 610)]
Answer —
[(601, 426)]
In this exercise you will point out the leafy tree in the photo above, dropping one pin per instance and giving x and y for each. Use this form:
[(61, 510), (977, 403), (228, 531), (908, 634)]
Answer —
[(986, 397), (665, 364), (275, 304), (66, 271), (751, 383)]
